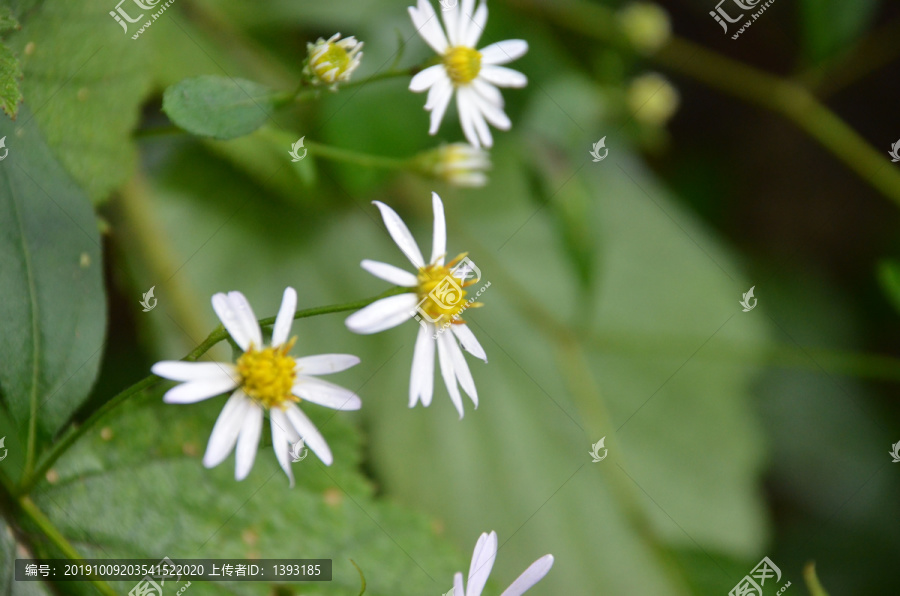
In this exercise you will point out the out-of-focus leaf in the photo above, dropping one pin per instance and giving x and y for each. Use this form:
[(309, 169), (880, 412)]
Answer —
[(10, 69), (218, 107), (889, 277), (136, 487), (10, 549), (84, 80), (52, 302), (7, 20), (830, 26), (10, 77)]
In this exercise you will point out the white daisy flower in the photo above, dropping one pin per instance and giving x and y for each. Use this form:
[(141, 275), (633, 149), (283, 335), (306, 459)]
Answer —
[(333, 61), (483, 561), (436, 291), (264, 378), (473, 74)]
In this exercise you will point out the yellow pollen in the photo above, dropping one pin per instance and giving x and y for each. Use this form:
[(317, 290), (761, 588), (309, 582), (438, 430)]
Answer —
[(441, 295), (333, 57), (267, 375), (463, 64)]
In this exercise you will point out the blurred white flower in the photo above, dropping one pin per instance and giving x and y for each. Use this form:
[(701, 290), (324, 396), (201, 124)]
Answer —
[(333, 61), (459, 164), (483, 561), (652, 99), (473, 74), (264, 378), (429, 278)]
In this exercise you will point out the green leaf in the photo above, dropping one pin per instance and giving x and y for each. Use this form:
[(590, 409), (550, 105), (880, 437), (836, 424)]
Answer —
[(7, 20), (10, 549), (831, 26), (136, 487), (53, 311), (10, 69), (889, 278), (219, 107), (10, 77), (84, 80)]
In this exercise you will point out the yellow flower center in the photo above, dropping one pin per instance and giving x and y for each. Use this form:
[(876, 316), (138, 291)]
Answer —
[(334, 57), (441, 295), (267, 375), (463, 64)]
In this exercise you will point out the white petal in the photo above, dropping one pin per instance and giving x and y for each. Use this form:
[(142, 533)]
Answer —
[(504, 51), (383, 314), (446, 362), (451, 20), (194, 391), (439, 239), (233, 324), (285, 318), (428, 26), (467, 96), (179, 370), (426, 78), (325, 364), (227, 428), (390, 274), (326, 394), (248, 441), (468, 341), (530, 576), (236, 315), (464, 20), (459, 366), (442, 93), (310, 434), (241, 307), (488, 92), (421, 379), (495, 115), (502, 76), (466, 115), (482, 562), (458, 585), (401, 235), (282, 437), (475, 27)]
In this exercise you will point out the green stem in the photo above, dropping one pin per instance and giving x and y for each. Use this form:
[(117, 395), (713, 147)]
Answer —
[(780, 95), (362, 159), (59, 541), (306, 90), (218, 334)]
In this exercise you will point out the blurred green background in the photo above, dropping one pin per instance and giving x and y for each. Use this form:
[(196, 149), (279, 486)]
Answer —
[(612, 312)]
